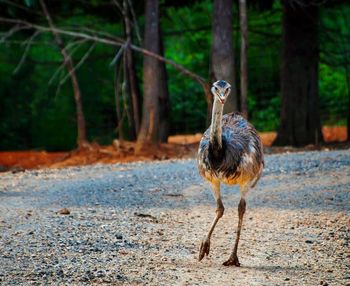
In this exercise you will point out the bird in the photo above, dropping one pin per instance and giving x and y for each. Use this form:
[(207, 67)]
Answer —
[(229, 152)]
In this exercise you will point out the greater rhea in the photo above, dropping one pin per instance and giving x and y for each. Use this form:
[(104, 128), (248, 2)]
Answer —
[(230, 152)]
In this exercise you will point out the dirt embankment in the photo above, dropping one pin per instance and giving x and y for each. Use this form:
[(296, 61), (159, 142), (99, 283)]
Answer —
[(179, 146)]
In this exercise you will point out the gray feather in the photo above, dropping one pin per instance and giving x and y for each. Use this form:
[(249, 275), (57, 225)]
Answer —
[(241, 150)]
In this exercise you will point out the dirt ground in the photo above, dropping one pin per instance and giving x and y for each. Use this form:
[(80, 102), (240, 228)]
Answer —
[(141, 224), (179, 146)]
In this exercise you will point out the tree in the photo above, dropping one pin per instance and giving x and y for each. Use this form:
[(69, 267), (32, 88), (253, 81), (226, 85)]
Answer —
[(300, 118), (244, 54), (222, 49), (131, 78), (68, 62), (348, 85), (153, 78), (164, 108)]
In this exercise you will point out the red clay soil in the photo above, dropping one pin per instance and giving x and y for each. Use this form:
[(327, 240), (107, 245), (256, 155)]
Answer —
[(179, 146), (30, 159), (19, 160)]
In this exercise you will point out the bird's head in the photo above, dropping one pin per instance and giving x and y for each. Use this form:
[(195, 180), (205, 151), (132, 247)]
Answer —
[(220, 90)]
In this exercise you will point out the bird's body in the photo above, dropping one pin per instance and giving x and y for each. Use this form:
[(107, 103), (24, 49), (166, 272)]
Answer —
[(230, 152), (240, 159)]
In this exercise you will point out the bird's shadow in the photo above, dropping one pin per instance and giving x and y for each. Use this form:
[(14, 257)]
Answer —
[(271, 268), (216, 264)]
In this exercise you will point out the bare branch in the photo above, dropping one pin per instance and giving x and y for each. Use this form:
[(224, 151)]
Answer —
[(11, 32), (20, 43), (179, 67), (118, 55), (58, 89), (134, 21), (114, 41), (14, 4), (78, 65), (92, 32), (244, 51), (28, 44), (117, 90), (81, 125), (116, 3), (75, 45)]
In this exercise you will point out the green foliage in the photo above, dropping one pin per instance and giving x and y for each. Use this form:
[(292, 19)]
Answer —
[(333, 95), (39, 113), (335, 64), (188, 105), (264, 68), (268, 118)]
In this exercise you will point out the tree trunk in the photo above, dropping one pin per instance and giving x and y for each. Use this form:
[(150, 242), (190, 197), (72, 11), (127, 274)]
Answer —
[(152, 78), (164, 108), (300, 118), (117, 92), (348, 86), (128, 103), (81, 140), (244, 54), (132, 79), (222, 50)]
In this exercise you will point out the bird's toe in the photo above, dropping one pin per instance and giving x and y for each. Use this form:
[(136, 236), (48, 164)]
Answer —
[(232, 261), (204, 249)]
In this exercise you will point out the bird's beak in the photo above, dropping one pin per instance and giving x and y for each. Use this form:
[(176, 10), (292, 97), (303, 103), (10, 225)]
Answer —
[(222, 98)]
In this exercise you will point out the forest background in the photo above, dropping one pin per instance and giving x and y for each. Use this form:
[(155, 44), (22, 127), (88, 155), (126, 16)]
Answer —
[(37, 99)]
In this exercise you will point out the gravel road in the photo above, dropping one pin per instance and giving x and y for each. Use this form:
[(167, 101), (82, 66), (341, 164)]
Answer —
[(141, 224)]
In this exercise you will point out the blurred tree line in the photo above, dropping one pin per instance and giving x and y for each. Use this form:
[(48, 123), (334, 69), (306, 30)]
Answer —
[(73, 72)]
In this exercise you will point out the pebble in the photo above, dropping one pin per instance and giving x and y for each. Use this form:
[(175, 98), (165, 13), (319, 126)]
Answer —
[(64, 211)]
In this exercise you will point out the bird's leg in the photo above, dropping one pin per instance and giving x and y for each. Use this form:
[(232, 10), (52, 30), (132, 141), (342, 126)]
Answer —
[(205, 245), (233, 260)]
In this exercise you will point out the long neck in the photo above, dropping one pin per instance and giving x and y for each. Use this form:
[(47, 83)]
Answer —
[(216, 125)]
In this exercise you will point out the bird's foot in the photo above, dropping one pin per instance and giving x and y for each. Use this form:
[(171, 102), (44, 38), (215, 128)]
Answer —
[(232, 261), (204, 249)]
